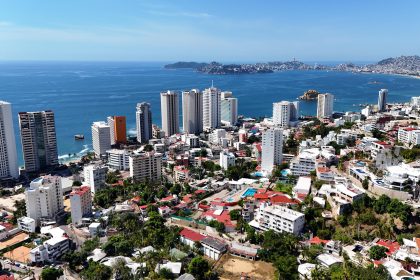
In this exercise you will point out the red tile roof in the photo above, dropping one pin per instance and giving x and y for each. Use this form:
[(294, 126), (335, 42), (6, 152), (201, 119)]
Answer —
[(261, 196), (8, 226), (168, 198), (224, 217), (199, 191), (382, 143), (80, 190), (317, 240), (187, 198), (282, 199), (418, 244), (191, 235), (392, 246)]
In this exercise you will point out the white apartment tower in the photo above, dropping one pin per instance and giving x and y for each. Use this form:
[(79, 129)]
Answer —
[(211, 108), (44, 198), (81, 204), (94, 176), (169, 105), (39, 141), (111, 124), (101, 138), (382, 98), (143, 122), (325, 105), (146, 167), (279, 218), (272, 148), (284, 112), (8, 154), (192, 111), (229, 108)]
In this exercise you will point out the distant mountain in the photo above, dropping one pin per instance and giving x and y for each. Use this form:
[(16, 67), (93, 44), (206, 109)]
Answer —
[(405, 65), (183, 64)]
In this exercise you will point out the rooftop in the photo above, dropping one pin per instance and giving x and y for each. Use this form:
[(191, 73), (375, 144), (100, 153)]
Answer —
[(192, 235), (214, 243)]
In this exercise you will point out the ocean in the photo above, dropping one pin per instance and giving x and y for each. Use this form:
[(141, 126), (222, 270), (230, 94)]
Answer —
[(82, 92)]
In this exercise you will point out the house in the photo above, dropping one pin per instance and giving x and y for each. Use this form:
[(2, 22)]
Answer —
[(174, 267), (243, 251), (213, 248), (220, 215), (94, 229), (26, 224), (305, 270), (302, 188), (189, 237), (164, 210), (52, 249), (328, 260)]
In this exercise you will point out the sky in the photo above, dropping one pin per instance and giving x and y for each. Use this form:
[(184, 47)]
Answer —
[(198, 30)]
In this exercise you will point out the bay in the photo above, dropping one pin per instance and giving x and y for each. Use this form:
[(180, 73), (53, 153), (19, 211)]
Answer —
[(82, 92)]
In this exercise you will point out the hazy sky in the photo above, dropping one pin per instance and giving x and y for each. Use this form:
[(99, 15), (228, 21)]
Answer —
[(313, 30)]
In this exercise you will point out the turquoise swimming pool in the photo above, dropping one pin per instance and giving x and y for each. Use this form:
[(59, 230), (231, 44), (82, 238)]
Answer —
[(285, 172), (249, 192)]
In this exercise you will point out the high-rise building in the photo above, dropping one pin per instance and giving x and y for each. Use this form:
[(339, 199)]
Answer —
[(212, 110), (229, 108), (285, 112), (44, 198), (8, 154), (325, 105), (294, 111), (272, 148), (39, 142), (382, 97), (146, 167), (117, 129), (415, 100), (169, 105), (95, 176), (192, 111), (80, 204), (101, 138), (143, 122)]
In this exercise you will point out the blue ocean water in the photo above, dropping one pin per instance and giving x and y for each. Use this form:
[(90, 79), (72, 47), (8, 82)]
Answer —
[(82, 92)]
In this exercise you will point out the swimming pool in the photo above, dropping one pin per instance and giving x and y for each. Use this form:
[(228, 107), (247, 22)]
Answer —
[(258, 174), (249, 192), (285, 172)]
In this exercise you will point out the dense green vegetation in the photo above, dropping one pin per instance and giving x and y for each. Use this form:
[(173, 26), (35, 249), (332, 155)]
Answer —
[(348, 270), (20, 206), (242, 169), (284, 188), (411, 154), (51, 273), (377, 252), (366, 219)]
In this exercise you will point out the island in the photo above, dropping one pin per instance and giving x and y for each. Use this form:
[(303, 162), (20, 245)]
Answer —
[(309, 95)]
